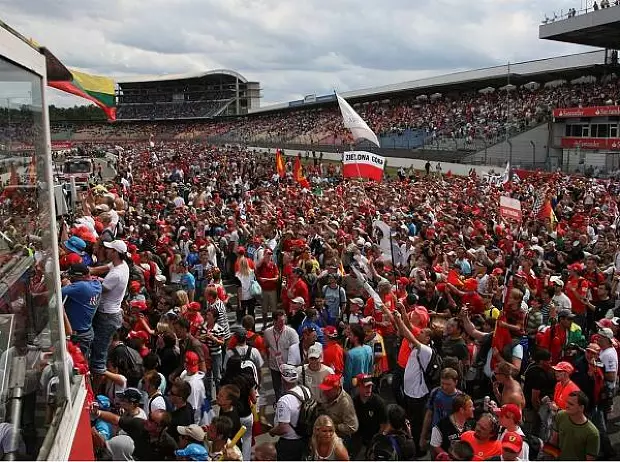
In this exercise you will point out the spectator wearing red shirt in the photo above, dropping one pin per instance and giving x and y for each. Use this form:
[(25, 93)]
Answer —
[(252, 338), (268, 274), (333, 353), (564, 386), (384, 327), (594, 277), (576, 290), (295, 287)]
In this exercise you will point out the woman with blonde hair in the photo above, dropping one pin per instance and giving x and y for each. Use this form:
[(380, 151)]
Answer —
[(182, 301), (245, 276), (325, 444)]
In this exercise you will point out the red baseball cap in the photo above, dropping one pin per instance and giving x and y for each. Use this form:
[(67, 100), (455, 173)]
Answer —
[(139, 304), (564, 366), (330, 331), (330, 382), (511, 411), (140, 334), (576, 267), (191, 362), (194, 306), (513, 442)]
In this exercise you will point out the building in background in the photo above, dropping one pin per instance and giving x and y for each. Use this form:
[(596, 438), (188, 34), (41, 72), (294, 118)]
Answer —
[(188, 96)]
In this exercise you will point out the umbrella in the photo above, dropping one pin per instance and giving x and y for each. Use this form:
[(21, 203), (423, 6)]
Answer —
[(532, 85), (421, 97), (436, 95), (584, 79), (487, 90), (555, 83), (508, 87)]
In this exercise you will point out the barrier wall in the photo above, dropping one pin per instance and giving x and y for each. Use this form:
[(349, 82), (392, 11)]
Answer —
[(397, 162)]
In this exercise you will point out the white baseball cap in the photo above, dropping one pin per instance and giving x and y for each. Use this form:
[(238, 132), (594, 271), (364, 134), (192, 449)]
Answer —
[(315, 351), (117, 245)]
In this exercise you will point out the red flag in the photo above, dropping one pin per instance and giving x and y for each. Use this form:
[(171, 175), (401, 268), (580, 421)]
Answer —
[(280, 166), (298, 174), (547, 213)]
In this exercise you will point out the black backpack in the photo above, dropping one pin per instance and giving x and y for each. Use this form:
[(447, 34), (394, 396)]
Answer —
[(129, 363), (383, 447), (432, 373), (309, 411), (535, 445)]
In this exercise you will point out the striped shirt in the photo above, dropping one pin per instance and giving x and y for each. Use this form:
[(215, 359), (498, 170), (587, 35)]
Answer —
[(222, 317), (218, 332)]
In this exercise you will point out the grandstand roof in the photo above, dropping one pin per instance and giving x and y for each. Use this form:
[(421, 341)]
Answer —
[(189, 76), (595, 28), (542, 70)]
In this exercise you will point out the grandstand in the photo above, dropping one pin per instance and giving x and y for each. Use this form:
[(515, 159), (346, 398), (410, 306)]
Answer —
[(189, 96), (481, 116)]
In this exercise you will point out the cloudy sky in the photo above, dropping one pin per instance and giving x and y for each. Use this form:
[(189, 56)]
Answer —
[(293, 48)]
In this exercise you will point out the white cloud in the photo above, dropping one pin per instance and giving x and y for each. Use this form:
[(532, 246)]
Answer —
[(292, 48)]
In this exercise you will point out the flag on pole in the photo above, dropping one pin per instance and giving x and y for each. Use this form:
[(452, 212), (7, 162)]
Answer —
[(280, 166), (352, 120), (506, 175), (298, 174), (538, 203), (547, 213), (362, 164)]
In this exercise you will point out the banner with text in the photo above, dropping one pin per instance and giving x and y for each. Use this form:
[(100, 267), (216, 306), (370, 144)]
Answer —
[(574, 142), (362, 164), (592, 111), (510, 208)]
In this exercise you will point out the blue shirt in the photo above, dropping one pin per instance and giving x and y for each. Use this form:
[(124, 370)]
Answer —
[(192, 259), (359, 360), (440, 404), (319, 332), (333, 299), (188, 281), (82, 303)]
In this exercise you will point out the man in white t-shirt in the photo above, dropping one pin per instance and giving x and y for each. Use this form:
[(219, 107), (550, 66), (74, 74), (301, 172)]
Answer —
[(154, 400), (560, 299), (414, 384), (109, 316), (608, 356), (311, 375), (195, 378), (279, 338), (290, 445)]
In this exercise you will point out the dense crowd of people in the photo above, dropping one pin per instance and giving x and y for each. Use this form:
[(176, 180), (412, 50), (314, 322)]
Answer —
[(467, 118), (173, 110), (388, 320)]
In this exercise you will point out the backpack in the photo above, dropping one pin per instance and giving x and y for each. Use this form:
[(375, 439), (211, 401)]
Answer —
[(246, 362), (309, 411), (383, 447), (432, 373), (169, 405), (535, 444), (129, 364)]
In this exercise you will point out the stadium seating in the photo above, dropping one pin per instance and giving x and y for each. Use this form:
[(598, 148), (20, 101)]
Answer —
[(467, 121)]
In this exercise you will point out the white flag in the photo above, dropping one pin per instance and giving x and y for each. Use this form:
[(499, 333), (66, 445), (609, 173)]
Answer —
[(355, 123), (506, 175)]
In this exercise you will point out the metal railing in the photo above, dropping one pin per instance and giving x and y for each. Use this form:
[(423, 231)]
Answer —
[(585, 8)]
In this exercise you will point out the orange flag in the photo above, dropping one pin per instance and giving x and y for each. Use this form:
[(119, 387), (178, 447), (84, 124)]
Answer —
[(280, 166), (298, 174)]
